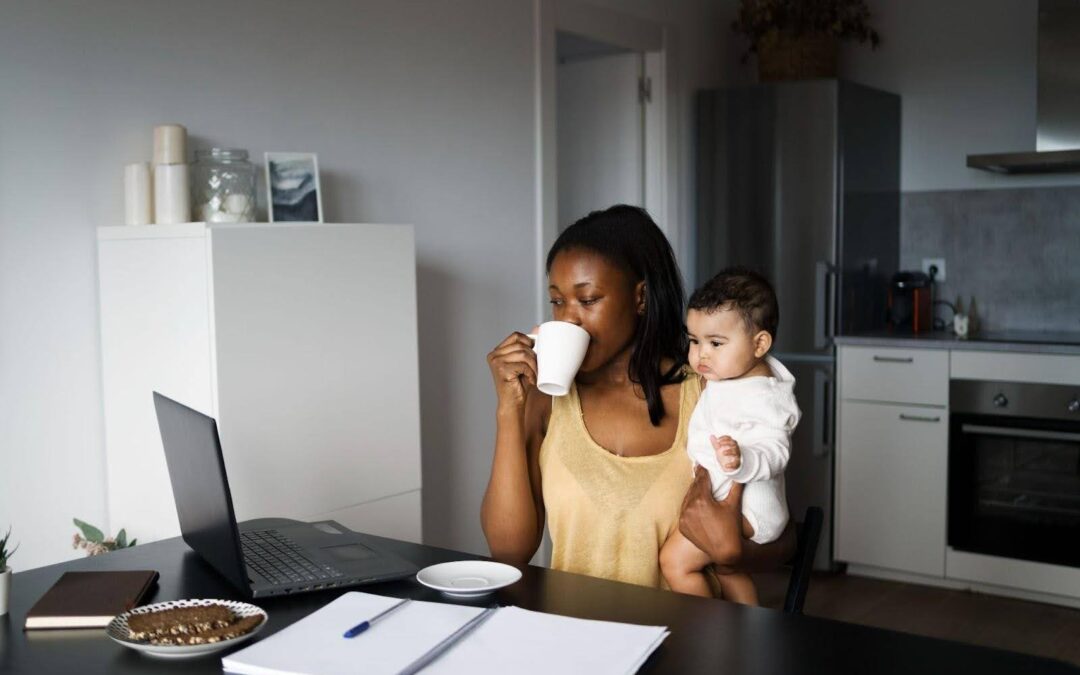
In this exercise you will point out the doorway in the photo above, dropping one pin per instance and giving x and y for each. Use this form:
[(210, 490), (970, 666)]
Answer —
[(604, 132), (600, 101)]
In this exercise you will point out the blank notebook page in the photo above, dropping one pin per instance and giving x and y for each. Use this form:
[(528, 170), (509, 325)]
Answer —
[(522, 642), (315, 644), (511, 640)]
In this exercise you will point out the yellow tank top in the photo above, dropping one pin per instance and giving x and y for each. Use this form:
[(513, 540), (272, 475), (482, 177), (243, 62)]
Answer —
[(608, 515)]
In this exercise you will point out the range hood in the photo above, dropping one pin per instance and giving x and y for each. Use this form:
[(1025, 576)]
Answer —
[(1057, 141)]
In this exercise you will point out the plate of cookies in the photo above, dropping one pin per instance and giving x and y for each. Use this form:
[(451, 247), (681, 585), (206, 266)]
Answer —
[(180, 629)]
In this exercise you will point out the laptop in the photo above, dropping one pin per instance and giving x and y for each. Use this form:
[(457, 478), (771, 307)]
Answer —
[(295, 557)]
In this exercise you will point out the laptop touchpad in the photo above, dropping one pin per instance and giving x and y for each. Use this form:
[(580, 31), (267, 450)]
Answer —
[(349, 552)]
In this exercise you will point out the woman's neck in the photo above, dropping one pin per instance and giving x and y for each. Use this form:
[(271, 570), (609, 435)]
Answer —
[(616, 372)]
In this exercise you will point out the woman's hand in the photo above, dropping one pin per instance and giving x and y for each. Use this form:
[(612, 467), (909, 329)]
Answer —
[(513, 367), (713, 526)]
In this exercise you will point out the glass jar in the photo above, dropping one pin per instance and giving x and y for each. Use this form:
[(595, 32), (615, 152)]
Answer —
[(223, 186)]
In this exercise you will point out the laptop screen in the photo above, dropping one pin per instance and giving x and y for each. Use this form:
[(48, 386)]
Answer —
[(200, 487)]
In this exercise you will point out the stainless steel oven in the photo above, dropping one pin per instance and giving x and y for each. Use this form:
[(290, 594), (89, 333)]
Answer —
[(1014, 470)]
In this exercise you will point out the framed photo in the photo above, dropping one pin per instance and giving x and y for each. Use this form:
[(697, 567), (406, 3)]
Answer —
[(292, 187)]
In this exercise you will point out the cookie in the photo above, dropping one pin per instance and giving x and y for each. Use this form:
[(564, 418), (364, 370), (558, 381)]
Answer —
[(179, 621), (239, 627)]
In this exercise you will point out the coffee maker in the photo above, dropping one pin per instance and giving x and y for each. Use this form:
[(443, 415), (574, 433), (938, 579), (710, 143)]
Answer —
[(910, 302)]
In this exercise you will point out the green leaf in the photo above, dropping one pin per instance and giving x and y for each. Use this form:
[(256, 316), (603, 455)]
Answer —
[(121, 539), (132, 542), (89, 531)]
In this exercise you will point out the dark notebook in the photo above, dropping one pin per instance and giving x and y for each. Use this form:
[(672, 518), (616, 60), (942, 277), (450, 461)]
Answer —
[(89, 599)]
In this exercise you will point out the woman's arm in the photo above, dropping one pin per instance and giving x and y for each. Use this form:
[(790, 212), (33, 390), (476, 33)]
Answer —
[(715, 527), (512, 514)]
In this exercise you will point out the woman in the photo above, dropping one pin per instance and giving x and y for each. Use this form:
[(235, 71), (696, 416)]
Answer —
[(606, 465)]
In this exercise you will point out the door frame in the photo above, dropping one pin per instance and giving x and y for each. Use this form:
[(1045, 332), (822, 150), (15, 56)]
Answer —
[(661, 130)]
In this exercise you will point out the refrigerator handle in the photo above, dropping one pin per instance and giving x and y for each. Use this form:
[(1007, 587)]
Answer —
[(823, 414), (824, 304)]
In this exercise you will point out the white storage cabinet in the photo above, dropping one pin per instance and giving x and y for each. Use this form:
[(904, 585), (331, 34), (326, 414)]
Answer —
[(300, 339)]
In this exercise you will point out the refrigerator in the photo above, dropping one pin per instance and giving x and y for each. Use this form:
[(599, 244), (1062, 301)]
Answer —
[(800, 181)]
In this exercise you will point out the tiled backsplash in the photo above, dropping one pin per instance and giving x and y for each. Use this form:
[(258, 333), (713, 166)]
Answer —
[(1017, 251)]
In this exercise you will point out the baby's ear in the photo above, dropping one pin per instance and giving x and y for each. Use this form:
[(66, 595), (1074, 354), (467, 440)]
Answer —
[(762, 343)]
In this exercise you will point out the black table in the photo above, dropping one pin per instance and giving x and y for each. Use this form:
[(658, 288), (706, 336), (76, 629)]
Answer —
[(707, 636)]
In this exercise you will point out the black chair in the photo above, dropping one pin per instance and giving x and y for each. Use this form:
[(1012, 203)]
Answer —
[(807, 533)]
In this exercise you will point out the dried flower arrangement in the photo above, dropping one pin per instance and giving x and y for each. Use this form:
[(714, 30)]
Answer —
[(94, 541)]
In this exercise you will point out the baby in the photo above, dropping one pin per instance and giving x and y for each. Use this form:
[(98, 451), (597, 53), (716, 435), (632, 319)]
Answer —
[(748, 405)]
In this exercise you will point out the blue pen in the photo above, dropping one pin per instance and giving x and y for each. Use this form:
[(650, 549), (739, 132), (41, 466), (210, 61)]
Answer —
[(364, 625)]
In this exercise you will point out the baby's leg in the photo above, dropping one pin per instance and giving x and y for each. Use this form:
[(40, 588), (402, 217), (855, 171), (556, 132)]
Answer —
[(682, 564), (738, 587)]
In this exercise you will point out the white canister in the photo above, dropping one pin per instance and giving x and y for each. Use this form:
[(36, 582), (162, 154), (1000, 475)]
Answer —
[(5, 590), (172, 201), (138, 202)]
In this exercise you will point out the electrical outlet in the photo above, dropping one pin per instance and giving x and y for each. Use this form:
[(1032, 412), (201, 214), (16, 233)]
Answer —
[(939, 263)]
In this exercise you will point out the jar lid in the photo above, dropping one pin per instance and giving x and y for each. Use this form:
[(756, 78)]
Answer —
[(222, 154)]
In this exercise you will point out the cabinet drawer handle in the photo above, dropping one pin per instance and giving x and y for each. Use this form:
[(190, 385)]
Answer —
[(894, 359), (919, 418)]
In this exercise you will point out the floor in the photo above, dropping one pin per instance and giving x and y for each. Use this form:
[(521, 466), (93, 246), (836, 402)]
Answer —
[(963, 616)]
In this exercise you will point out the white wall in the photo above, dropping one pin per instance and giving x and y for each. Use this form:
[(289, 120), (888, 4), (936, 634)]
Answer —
[(965, 71), (601, 146), (421, 112)]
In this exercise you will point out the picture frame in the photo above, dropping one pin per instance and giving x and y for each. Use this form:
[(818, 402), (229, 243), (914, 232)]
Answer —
[(293, 191)]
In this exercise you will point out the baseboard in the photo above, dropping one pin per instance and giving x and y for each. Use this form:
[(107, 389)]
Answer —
[(961, 585)]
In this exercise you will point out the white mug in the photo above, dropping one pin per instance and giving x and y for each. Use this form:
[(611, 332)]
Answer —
[(560, 348)]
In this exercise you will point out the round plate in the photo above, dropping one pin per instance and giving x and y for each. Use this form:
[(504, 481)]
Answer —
[(468, 578), (118, 629)]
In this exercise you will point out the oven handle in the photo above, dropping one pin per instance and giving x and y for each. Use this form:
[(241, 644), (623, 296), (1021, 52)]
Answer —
[(1019, 433)]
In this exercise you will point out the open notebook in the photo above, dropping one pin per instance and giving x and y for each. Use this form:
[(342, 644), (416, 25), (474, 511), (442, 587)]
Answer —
[(511, 640)]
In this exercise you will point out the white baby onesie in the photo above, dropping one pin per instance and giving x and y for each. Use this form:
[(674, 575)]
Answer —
[(759, 413)]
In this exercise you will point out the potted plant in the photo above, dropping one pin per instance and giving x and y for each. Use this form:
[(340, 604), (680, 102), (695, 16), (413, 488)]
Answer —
[(95, 542), (798, 39), (5, 572)]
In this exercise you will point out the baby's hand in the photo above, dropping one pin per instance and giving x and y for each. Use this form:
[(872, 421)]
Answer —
[(727, 452)]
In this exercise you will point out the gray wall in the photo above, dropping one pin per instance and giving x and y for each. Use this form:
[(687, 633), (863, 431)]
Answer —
[(1015, 250), (420, 112)]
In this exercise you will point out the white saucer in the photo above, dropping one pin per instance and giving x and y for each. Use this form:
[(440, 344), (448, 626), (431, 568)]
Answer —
[(468, 578), (118, 629)]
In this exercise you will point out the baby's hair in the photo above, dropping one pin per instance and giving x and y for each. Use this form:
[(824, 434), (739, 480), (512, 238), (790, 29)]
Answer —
[(744, 291)]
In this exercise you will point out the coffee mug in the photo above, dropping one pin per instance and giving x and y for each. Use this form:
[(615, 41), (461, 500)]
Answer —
[(560, 348)]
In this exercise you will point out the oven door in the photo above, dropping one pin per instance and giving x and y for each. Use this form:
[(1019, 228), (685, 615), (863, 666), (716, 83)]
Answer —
[(1014, 488)]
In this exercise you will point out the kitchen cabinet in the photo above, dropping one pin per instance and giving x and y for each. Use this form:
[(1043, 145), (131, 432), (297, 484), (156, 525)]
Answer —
[(891, 494), (892, 458), (898, 410)]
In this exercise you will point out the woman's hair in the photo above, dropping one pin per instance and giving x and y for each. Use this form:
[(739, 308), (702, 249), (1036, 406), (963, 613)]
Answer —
[(628, 238)]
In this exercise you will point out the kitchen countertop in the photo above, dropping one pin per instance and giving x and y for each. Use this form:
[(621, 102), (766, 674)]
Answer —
[(1032, 342)]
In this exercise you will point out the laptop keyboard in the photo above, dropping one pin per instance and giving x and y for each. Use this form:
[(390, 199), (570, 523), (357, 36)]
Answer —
[(279, 560)]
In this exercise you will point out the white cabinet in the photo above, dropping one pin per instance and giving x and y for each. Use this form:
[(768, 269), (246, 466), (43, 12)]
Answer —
[(892, 458), (892, 475), (301, 339), (919, 376)]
